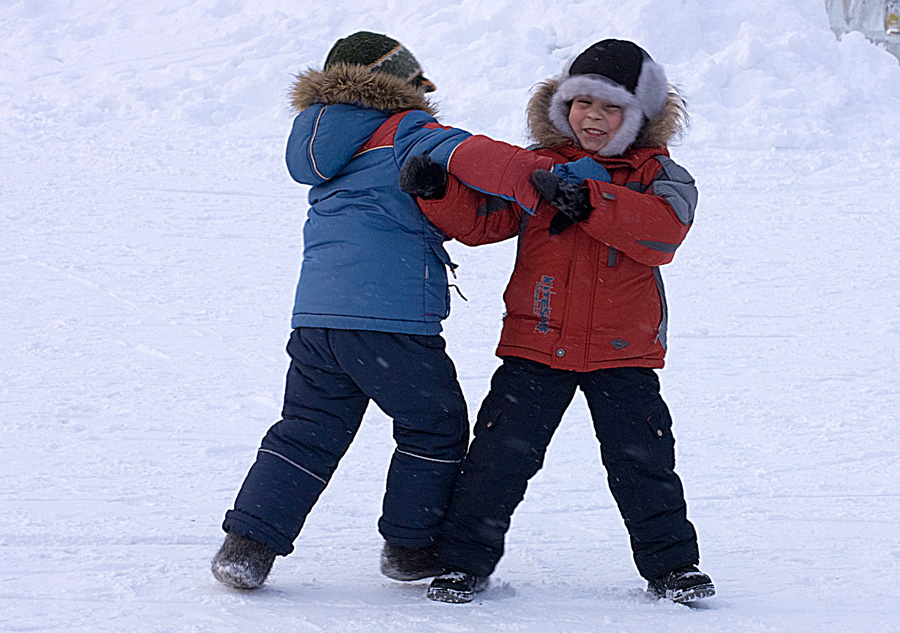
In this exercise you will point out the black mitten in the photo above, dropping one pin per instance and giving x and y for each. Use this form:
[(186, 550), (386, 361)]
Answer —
[(573, 201), (559, 223), (424, 178)]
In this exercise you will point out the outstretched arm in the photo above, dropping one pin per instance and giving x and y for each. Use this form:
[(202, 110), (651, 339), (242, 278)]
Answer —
[(497, 168), (462, 213)]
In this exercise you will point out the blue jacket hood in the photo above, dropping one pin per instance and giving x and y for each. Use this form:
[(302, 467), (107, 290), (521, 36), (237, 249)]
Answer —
[(371, 258), (329, 145)]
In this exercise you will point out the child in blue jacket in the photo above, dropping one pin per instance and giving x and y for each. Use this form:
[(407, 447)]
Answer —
[(367, 318)]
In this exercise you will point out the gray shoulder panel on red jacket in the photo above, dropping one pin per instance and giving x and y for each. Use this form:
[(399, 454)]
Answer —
[(677, 187)]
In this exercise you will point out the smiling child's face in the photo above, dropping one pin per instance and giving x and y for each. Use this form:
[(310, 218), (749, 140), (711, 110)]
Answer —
[(595, 121)]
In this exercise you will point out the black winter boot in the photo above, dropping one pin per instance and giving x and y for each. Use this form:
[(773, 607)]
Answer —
[(242, 563), (405, 563), (457, 587), (685, 584)]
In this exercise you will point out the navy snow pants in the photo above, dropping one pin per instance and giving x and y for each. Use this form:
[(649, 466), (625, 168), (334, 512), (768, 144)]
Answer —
[(515, 424), (332, 377)]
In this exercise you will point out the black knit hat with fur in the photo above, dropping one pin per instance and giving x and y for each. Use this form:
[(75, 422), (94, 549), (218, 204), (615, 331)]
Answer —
[(379, 53), (621, 72)]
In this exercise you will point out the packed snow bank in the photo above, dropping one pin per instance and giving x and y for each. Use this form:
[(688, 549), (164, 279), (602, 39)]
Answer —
[(758, 75)]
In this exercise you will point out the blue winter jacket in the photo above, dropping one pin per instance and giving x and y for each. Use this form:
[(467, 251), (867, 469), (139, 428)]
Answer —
[(371, 259)]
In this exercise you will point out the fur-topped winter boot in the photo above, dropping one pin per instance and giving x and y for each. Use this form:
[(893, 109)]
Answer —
[(242, 563), (405, 563)]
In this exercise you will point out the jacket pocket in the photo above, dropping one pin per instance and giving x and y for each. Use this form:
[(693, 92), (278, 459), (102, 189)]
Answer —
[(436, 280)]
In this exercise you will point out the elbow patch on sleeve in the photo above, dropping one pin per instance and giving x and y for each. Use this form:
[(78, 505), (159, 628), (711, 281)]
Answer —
[(492, 204), (676, 186), (660, 247)]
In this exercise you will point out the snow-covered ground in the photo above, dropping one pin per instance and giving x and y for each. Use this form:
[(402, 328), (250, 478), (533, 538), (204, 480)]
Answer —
[(149, 247)]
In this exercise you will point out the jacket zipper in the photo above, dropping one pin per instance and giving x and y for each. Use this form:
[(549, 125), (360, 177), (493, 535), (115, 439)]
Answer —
[(595, 279)]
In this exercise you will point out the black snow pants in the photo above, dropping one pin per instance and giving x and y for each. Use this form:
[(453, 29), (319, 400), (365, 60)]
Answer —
[(332, 377), (514, 426)]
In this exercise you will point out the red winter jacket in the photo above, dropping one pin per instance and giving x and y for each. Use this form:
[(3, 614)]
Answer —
[(592, 296)]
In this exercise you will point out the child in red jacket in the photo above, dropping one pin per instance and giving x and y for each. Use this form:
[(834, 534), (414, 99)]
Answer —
[(604, 207)]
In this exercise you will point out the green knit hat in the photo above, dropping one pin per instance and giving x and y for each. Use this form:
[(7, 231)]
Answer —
[(379, 53)]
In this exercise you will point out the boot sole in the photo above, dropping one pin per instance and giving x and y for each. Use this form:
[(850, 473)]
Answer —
[(691, 595), (405, 576), (457, 596), (236, 577), (453, 596)]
